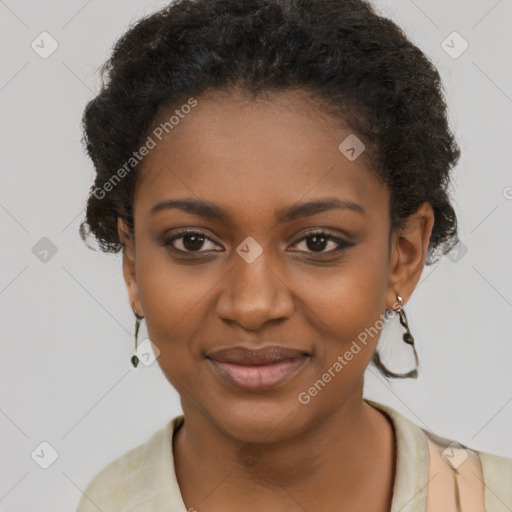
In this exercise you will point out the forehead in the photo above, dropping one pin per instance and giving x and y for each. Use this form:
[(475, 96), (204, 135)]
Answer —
[(253, 155)]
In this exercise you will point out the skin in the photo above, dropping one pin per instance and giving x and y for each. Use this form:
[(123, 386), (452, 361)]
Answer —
[(254, 158)]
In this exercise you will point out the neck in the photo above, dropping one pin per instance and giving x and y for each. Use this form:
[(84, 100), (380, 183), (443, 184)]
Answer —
[(333, 453)]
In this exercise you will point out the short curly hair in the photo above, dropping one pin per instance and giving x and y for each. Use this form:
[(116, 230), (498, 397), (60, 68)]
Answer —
[(359, 65)]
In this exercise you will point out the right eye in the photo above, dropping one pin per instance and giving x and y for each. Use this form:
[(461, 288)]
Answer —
[(190, 241)]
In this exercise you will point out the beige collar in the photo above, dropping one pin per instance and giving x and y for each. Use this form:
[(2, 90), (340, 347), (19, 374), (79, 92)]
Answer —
[(158, 488)]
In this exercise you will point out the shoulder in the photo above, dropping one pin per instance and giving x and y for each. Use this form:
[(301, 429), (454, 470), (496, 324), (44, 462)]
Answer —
[(113, 486), (475, 469), (122, 482), (497, 477), (423, 455)]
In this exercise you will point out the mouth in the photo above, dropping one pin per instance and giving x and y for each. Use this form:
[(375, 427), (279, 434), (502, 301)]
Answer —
[(256, 370)]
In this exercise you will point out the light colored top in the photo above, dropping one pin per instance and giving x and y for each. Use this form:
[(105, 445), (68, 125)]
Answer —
[(144, 478)]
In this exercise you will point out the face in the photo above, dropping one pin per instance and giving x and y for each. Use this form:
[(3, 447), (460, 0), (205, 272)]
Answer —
[(268, 270)]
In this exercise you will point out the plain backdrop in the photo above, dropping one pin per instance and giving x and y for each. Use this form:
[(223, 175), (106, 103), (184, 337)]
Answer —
[(66, 324)]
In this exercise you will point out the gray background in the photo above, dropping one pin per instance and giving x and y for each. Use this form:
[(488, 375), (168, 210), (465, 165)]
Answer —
[(66, 323)]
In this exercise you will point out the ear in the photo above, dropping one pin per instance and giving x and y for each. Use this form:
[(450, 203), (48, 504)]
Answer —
[(129, 272), (408, 254)]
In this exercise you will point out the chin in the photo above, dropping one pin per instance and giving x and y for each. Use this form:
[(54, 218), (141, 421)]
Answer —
[(259, 420)]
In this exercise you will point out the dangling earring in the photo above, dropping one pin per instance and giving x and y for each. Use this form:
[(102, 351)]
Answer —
[(135, 359), (407, 338)]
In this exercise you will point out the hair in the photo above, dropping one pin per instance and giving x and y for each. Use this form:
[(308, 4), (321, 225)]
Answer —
[(358, 66)]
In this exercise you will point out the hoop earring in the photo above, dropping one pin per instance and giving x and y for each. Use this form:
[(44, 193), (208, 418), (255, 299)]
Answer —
[(135, 359), (407, 337)]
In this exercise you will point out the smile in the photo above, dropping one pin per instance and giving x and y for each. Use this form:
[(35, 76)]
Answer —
[(259, 376)]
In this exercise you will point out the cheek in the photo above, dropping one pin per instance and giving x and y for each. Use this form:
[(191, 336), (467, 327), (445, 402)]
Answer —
[(350, 296), (173, 298), (346, 306), (169, 291)]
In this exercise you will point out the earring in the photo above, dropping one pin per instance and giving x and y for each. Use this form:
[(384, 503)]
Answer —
[(407, 338), (135, 359)]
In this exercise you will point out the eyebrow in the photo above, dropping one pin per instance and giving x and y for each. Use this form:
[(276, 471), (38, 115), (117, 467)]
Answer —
[(214, 211)]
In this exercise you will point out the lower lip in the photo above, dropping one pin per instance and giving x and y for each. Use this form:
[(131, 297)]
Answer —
[(258, 377)]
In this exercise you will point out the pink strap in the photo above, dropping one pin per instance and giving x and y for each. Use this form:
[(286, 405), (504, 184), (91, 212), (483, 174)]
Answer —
[(455, 481)]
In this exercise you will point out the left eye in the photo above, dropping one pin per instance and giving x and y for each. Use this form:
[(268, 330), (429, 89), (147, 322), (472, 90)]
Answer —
[(316, 243)]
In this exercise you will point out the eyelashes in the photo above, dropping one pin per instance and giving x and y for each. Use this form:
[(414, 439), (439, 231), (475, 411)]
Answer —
[(190, 239), (197, 235), (322, 235)]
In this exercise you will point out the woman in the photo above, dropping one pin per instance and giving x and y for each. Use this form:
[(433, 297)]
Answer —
[(275, 174)]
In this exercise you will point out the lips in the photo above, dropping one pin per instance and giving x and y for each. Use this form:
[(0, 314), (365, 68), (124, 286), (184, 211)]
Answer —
[(247, 357), (256, 370)]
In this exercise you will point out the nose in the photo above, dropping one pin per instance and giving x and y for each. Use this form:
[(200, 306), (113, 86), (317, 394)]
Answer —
[(254, 294)]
